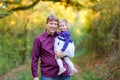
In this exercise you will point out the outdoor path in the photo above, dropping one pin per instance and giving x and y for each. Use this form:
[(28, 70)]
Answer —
[(13, 73), (10, 74)]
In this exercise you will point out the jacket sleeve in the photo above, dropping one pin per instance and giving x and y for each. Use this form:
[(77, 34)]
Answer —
[(56, 45), (72, 50)]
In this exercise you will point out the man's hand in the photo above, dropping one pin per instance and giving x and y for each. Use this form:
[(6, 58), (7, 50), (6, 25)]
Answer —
[(60, 54), (36, 78)]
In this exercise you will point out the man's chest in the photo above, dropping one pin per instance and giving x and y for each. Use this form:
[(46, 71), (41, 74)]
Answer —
[(48, 43)]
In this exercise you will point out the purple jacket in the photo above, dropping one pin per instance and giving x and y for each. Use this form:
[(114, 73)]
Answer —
[(67, 39), (43, 49)]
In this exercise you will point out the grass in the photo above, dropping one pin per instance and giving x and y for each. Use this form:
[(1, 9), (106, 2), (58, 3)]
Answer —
[(25, 74), (91, 67), (21, 75), (88, 67), (4, 65)]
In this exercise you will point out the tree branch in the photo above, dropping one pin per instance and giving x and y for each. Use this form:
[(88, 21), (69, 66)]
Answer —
[(18, 9), (9, 2)]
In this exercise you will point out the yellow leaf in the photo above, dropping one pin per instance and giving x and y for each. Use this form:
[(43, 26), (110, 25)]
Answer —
[(78, 32), (12, 22)]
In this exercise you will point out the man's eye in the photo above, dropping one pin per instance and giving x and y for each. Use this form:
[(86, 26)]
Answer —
[(55, 24)]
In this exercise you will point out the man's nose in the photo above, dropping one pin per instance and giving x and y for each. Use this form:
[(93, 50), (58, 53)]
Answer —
[(54, 25)]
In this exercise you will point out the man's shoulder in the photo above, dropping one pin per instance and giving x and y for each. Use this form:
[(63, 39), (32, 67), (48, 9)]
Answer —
[(40, 36)]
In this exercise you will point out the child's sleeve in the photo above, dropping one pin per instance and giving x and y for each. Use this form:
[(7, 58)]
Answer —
[(71, 50), (56, 47)]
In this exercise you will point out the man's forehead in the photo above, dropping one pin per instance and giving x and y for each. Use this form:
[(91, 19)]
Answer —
[(53, 21)]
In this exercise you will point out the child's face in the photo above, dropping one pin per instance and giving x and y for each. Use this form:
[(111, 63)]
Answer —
[(63, 26)]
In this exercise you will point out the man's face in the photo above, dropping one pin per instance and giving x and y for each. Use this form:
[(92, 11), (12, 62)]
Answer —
[(52, 27)]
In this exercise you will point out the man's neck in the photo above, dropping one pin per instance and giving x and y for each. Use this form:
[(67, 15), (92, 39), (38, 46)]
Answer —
[(50, 33)]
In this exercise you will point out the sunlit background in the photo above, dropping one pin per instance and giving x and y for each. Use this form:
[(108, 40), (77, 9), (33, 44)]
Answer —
[(94, 27)]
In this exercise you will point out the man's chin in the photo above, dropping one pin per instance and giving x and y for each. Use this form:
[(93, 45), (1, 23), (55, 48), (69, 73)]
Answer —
[(51, 32)]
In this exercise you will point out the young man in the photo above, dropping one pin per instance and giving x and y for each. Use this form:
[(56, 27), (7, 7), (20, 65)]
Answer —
[(43, 49)]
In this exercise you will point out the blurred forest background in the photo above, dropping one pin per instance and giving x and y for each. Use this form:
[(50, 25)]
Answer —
[(95, 26)]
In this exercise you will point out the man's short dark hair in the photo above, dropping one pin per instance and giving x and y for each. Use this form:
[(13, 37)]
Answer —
[(52, 17)]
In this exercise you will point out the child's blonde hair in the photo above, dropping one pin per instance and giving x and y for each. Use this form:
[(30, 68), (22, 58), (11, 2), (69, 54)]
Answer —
[(64, 21)]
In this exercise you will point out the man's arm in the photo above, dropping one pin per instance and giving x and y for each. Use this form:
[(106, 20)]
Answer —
[(35, 58)]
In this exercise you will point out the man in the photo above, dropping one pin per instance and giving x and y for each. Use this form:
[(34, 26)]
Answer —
[(43, 49)]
